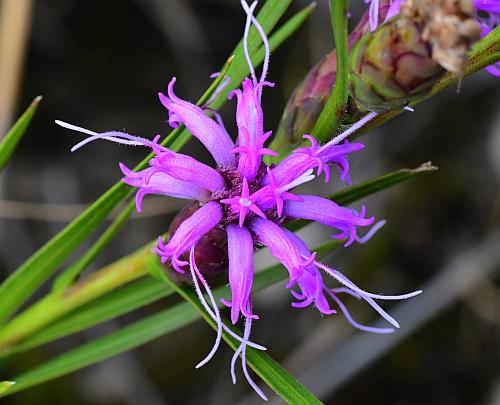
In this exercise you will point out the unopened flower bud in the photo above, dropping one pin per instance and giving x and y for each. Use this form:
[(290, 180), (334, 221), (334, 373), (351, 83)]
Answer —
[(402, 59)]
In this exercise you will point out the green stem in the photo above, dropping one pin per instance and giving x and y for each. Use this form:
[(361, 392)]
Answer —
[(56, 305), (331, 116)]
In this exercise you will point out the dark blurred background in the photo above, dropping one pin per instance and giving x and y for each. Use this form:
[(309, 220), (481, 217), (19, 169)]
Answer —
[(99, 64)]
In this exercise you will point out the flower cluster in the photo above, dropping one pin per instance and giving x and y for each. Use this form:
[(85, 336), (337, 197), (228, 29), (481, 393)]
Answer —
[(250, 201)]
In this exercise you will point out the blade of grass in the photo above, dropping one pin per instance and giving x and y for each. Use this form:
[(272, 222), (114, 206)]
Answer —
[(269, 15), (139, 332), (122, 301), (5, 386), (54, 306), (331, 116), (11, 140), (286, 30), (48, 310), (20, 285), (354, 193), (68, 277)]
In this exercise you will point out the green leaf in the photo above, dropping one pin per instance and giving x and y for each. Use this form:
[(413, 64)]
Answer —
[(331, 116), (9, 143), (354, 193), (55, 306), (119, 302), (268, 17), (5, 386), (20, 285), (286, 31), (26, 279), (139, 332), (67, 278)]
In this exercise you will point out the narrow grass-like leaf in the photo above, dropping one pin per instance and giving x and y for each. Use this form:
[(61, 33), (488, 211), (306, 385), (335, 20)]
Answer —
[(43, 313), (55, 306), (68, 277), (286, 30), (331, 116), (5, 386), (120, 302), (20, 285), (9, 143), (354, 193), (140, 332), (268, 16)]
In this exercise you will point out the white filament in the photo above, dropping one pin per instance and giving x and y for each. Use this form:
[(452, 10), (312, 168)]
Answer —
[(351, 130), (249, 11)]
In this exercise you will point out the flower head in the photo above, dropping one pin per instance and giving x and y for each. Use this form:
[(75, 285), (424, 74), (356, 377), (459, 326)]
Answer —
[(487, 14), (248, 201)]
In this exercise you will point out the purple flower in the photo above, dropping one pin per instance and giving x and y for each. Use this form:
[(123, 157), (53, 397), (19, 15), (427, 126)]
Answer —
[(488, 15), (249, 200), (374, 12)]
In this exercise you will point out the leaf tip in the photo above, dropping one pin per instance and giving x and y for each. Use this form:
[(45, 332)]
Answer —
[(426, 167), (5, 385)]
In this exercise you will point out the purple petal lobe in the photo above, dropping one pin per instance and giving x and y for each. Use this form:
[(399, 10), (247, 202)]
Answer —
[(210, 133), (310, 283), (152, 181), (393, 9), (491, 6), (240, 253), (281, 247), (251, 137), (188, 233), (328, 213), (188, 169), (315, 157)]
